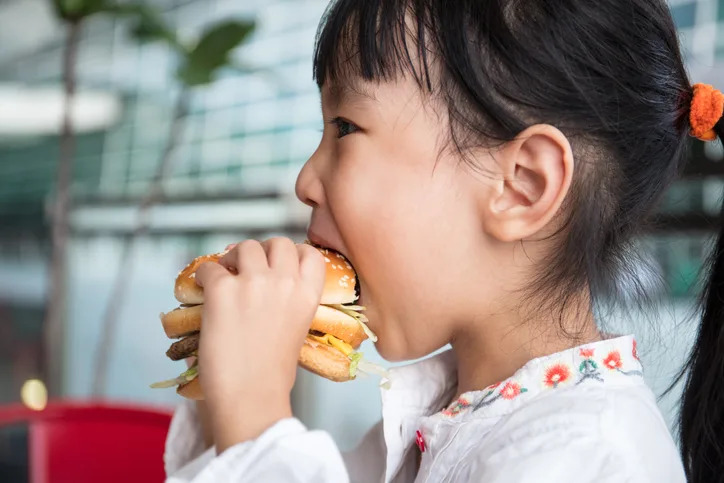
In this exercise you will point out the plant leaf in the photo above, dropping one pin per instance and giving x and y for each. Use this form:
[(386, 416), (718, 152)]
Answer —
[(150, 27), (74, 10), (212, 51)]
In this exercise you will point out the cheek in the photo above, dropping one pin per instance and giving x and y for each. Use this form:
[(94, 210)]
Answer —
[(397, 226)]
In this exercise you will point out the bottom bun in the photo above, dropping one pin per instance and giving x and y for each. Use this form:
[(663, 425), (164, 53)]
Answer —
[(191, 390), (324, 360)]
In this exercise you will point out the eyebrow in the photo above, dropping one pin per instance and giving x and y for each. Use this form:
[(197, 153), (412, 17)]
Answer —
[(349, 93)]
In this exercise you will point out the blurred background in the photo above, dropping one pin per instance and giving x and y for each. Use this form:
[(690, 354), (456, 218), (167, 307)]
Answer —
[(191, 120)]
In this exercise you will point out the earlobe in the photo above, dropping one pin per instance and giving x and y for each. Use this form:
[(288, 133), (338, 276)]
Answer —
[(537, 168)]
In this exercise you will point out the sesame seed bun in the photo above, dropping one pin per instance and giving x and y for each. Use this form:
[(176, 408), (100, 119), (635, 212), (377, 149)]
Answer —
[(340, 279), (339, 282), (186, 290)]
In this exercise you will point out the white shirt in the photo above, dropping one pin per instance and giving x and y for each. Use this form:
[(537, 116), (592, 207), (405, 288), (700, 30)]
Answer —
[(581, 415)]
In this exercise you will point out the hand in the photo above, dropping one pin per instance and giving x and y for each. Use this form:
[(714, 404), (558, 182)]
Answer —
[(259, 301)]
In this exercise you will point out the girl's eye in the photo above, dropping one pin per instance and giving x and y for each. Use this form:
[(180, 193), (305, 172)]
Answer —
[(344, 127)]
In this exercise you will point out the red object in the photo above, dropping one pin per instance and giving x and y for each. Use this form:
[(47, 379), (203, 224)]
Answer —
[(613, 360), (420, 441), (91, 442), (556, 374), (510, 390)]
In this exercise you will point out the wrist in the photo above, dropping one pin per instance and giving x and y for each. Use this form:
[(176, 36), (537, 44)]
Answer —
[(246, 419)]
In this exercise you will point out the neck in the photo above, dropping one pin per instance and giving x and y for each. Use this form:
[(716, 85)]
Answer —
[(493, 348)]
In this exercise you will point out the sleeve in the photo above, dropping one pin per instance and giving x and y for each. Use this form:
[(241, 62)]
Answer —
[(184, 441), (366, 462), (286, 452)]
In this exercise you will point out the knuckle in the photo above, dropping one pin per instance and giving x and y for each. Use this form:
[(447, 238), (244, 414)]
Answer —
[(247, 243), (280, 243), (224, 284)]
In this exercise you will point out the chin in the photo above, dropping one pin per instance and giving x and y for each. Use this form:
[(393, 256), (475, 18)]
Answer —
[(390, 354)]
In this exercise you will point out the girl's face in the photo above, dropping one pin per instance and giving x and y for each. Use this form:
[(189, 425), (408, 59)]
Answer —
[(404, 209)]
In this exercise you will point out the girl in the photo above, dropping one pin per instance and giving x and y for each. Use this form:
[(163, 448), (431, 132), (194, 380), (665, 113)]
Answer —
[(485, 166)]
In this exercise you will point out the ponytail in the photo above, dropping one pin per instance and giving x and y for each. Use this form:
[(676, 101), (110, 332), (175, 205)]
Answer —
[(701, 420)]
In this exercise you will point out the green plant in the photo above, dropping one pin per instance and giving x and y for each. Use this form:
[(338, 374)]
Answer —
[(199, 63)]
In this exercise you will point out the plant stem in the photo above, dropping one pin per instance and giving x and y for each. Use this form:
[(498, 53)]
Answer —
[(125, 268), (53, 325)]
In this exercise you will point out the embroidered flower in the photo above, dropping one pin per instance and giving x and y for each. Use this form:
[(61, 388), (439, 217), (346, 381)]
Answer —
[(459, 405), (613, 360), (556, 374), (511, 390), (634, 352), (586, 353)]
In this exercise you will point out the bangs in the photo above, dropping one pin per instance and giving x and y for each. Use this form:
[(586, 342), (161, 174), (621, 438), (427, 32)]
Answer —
[(372, 40)]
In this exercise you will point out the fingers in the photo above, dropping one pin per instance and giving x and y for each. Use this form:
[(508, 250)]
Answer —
[(312, 269), (210, 272), (282, 254), (278, 253), (247, 256)]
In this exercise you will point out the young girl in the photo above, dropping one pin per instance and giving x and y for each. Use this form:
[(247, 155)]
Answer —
[(485, 166)]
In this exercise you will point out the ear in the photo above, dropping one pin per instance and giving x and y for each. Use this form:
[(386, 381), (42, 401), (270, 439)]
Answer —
[(537, 168)]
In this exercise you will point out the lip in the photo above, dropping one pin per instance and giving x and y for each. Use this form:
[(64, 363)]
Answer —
[(318, 240)]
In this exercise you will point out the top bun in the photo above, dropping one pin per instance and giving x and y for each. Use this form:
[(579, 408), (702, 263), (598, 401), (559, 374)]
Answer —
[(339, 283), (340, 279), (186, 290)]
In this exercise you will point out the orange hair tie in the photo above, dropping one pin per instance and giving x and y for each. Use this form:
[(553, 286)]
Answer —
[(707, 107)]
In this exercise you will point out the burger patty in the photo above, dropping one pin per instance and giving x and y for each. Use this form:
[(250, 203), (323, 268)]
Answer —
[(183, 348)]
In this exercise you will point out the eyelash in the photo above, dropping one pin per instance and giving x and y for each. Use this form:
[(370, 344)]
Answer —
[(338, 122)]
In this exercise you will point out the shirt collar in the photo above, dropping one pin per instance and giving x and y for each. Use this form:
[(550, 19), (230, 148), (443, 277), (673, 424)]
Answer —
[(612, 361), (425, 387), (415, 390)]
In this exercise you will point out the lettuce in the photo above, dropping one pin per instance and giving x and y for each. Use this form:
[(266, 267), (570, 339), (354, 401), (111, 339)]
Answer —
[(186, 376), (359, 364), (354, 359)]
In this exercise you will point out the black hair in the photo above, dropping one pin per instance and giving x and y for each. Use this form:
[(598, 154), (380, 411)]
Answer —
[(701, 420), (609, 74)]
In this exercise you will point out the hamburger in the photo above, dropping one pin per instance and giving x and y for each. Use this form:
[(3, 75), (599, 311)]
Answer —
[(329, 350)]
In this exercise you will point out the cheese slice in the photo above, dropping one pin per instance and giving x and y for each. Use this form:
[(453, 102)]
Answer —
[(331, 340)]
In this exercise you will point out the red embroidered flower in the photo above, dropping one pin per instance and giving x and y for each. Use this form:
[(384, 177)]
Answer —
[(459, 405), (613, 360), (510, 390), (556, 374), (634, 351), (586, 352)]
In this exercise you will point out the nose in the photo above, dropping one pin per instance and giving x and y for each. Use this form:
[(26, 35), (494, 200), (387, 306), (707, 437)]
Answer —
[(309, 188)]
